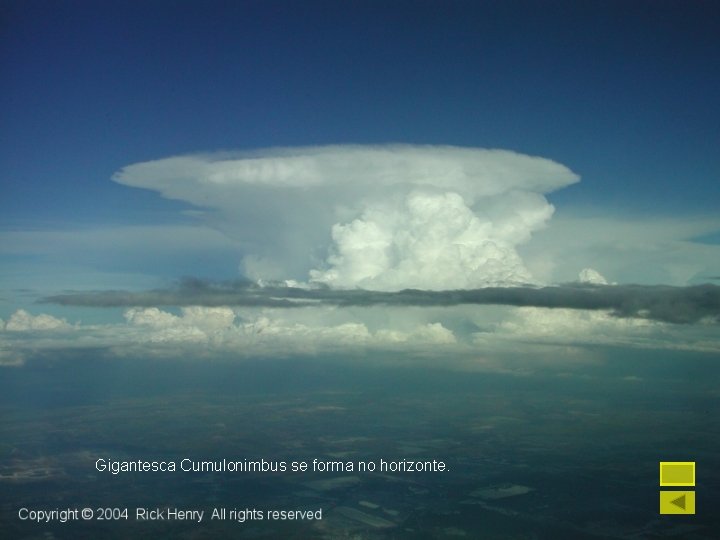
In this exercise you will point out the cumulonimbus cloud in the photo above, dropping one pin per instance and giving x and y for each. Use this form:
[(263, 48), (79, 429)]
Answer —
[(376, 217)]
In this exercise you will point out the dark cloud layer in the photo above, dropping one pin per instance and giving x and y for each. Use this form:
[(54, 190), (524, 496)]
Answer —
[(680, 305)]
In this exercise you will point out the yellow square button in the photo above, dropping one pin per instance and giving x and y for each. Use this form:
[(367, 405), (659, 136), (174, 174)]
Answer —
[(677, 473), (677, 502)]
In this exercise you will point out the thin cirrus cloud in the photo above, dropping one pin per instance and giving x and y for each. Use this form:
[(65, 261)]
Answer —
[(377, 217)]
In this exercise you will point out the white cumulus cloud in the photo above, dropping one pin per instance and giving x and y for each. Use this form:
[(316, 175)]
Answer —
[(22, 321), (431, 241), (588, 275)]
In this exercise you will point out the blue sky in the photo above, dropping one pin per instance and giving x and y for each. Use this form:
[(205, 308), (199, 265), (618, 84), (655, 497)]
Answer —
[(623, 94)]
